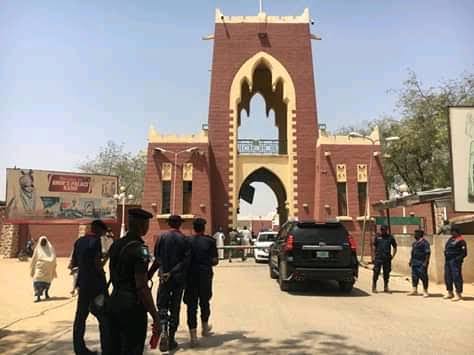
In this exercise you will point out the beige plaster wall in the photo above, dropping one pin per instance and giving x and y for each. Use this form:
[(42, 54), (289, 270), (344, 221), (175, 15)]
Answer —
[(436, 268)]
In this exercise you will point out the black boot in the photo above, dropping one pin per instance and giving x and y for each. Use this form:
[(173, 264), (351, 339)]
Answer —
[(46, 294), (173, 345), (386, 289), (164, 338)]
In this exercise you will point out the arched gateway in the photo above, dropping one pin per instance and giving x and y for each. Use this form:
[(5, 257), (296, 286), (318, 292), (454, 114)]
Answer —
[(313, 175)]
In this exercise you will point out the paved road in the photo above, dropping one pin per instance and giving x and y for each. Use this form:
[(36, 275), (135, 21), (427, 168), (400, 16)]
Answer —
[(252, 316)]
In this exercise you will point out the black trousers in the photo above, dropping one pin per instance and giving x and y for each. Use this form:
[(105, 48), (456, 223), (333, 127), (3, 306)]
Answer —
[(419, 272), (169, 299), (386, 264), (198, 292), (128, 327), (86, 305), (453, 275)]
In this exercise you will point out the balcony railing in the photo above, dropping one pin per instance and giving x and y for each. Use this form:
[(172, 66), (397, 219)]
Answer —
[(261, 146)]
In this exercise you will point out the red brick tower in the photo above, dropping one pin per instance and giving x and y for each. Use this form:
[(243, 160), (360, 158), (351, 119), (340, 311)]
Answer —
[(274, 58)]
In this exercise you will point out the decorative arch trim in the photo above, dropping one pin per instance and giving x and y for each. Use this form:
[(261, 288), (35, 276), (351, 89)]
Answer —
[(279, 74)]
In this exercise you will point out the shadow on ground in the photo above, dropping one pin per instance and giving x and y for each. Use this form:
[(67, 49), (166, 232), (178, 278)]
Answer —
[(309, 342), (31, 342), (234, 342), (324, 289)]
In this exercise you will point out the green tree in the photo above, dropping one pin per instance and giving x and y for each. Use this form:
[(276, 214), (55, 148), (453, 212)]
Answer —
[(113, 160), (421, 157)]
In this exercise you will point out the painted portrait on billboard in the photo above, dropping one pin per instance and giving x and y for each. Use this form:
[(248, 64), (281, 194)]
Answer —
[(39, 194), (461, 135)]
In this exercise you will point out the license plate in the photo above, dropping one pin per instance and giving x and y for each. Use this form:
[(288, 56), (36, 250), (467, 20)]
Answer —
[(322, 254)]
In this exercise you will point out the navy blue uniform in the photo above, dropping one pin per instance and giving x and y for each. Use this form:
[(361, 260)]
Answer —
[(173, 255), (383, 244), (199, 285), (128, 316), (420, 252), (92, 284), (455, 251)]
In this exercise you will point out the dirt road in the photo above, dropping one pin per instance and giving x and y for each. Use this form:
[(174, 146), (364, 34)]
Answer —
[(252, 316)]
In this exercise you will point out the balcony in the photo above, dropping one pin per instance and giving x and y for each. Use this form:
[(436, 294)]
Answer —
[(261, 147)]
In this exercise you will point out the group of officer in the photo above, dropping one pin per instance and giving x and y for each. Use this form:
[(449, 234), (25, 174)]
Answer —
[(184, 265), (455, 251)]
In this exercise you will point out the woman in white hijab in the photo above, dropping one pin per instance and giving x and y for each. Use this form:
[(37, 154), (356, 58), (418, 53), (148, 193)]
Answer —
[(43, 267)]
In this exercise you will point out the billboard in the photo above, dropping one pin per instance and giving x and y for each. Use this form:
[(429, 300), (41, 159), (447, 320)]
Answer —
[(461, 136), (39, 194)]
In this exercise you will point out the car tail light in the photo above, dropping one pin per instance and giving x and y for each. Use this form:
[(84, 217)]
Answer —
[(352, 242), (290, 243)]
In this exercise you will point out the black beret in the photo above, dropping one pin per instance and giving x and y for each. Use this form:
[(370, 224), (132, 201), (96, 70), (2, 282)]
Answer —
[(139, 213), (420, 232), (199, 222), (456, 229)]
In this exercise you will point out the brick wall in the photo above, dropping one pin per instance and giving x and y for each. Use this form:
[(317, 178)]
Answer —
[(261, 225), (425, 210), (233, 45), (61, 235), (2, 216), (153, 184), (326, 185)]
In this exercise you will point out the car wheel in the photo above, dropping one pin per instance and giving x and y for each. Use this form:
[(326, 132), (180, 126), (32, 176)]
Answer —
[(346, 286), (273, 274)]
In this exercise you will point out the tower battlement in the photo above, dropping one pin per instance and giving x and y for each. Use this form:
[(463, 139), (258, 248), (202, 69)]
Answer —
[(262, 17)]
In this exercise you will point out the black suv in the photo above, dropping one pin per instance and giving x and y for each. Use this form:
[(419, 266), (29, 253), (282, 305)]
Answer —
[(310, 251)]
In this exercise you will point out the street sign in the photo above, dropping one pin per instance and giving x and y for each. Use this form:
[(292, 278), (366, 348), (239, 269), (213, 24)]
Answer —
[(399, 221)]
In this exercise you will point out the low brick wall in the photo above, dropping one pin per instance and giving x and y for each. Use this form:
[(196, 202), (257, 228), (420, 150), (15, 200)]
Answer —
[(9, 238), (436, 268)]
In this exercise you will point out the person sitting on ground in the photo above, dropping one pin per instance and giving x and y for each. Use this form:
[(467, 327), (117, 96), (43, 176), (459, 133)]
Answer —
[(43, 268)]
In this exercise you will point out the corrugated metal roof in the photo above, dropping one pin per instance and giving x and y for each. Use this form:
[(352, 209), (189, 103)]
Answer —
[(413, 199)]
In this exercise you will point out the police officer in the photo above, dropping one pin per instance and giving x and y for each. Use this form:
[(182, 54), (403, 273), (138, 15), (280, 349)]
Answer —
[(455, 251), (420, 258), (131, 298), (172, 257), (204, 256), (91, 282), (383, 244)]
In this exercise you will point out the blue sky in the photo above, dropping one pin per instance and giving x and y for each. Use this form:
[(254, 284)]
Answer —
[(75, 74)]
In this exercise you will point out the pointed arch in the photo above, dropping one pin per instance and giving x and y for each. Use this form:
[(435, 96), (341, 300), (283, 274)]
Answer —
[(278, 71), (278, 88), (272, 180)]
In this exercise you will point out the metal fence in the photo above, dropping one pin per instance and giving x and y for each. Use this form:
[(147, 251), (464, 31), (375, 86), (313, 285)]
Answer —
[(239, 251), (259, 146)]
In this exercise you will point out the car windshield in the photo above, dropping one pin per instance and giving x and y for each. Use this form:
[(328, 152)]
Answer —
[(268, 237)]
